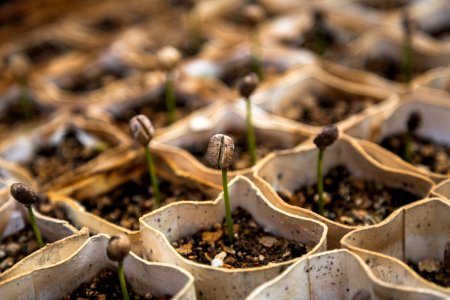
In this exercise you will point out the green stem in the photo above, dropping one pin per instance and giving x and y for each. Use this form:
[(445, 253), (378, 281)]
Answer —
[(256, 56), (320, 181), (407, 146), (407, 60), (320, 40), (25, 101), (227, 205), (152, 172), (123, 284), (36, 231), (251, 140), (170, 97)]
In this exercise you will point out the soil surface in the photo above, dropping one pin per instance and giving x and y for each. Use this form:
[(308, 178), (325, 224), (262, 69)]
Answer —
[(155, 109), (15, 115), (49, 209), (234, 73), (125, 204), (51, 161), (390, 68), (252, 247), (350, 201), (16, 247), (241, 157), (433, 271), (325, 109), (385, 4), (105, 286), (425, 154), (45, 51)]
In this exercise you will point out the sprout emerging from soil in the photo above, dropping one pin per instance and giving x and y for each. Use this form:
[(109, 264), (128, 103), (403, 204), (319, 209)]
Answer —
[(323, 140), (27, 196), (20, 66), (407, 46), (169, 58), (142, 130), (220, 156), (255, 14), (413, 123), (320, 38), (118, 248), (246, 86)]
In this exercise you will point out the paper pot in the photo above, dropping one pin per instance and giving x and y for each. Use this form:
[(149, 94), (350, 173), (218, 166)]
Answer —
[(198, 129), (434, 111), (86, 260), (281, 97), (123, 168), (101, 138), (442, 190), (337, 274), (435, 81), (168, 224), (416, 232), (289, 170)]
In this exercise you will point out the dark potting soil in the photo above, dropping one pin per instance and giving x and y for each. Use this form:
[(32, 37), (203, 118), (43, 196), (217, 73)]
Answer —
[(433, 271), (424, 153), (318, 39), (49, 209), (325, 109), (105, 286), (441, 32), (86, 82), (350, 201), (385, 4), (125, 204), (389, 68), (45, 51), (252, 247), (234, 73), (50, 161), (15, 114), (155, 109), (241, 157), (16, 247)]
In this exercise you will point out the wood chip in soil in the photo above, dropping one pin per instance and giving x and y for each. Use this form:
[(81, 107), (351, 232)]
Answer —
[(350, 201), (324, 109), (105, 286), (155, 109), (252, 246), (433, 271), (125, 204), (50, 162), (16, 247), (241, 157), (425, 153)]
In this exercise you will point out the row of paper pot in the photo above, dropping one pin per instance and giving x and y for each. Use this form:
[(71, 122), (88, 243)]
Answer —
[(374, 269)]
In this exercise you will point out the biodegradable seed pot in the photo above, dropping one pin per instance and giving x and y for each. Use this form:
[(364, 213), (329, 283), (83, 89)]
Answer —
[(186, 142), (63, 148), (430, 142), (311, 98), (89, 259), (163, 227), (291, 176), (331, 275), (442, 190), (414, 237)]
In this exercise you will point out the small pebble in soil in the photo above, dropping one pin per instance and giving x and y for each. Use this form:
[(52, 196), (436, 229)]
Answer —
[(125, 204), (253, 247), (432, 270), (425, 153), (104, 286), (352, 201), (16, 247)]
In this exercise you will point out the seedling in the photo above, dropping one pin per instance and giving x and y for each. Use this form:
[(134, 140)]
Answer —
[(169, 57), (27, 196), (142, 130), (220, 155), (118, 248), (320, 34), (20, 67), (255, 14), (407, 46), (413, 123), (246, 86), (323, 140)]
